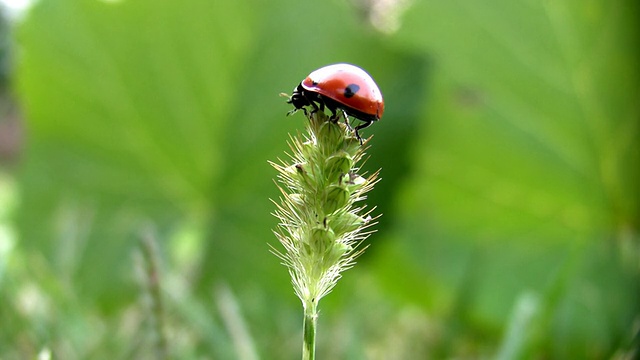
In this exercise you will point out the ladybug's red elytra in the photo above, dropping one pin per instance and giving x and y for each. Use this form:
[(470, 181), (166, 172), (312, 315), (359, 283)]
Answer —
[(341, 86)]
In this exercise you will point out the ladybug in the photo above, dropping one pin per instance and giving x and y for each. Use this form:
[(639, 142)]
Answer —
[(342, 87)]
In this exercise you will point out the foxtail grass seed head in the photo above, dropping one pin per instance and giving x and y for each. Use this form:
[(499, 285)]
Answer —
[(322, 220)]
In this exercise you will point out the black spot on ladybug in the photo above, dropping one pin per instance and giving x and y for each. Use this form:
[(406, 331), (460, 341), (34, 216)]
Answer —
[(351, 90)]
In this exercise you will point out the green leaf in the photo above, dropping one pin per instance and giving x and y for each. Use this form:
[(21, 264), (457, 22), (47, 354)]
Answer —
[(126, 104), (527, 158)]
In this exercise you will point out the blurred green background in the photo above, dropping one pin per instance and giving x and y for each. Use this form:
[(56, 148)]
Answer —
[(510, 179)]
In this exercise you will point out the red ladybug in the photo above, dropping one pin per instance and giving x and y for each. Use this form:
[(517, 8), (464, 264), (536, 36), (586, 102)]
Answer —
[(341, 86)]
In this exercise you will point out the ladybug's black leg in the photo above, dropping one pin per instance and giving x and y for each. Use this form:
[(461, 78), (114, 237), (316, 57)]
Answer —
[(295, 110), (318, 103), (334, 112), (314, 105), (334, 116), (365, 124), (346, 120), (316, 108)]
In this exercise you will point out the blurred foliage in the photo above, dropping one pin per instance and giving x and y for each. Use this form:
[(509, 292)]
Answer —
[(4, 50), (509, 155)]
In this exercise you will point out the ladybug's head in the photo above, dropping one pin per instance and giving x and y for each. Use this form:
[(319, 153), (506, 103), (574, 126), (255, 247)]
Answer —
[(298, 98)]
